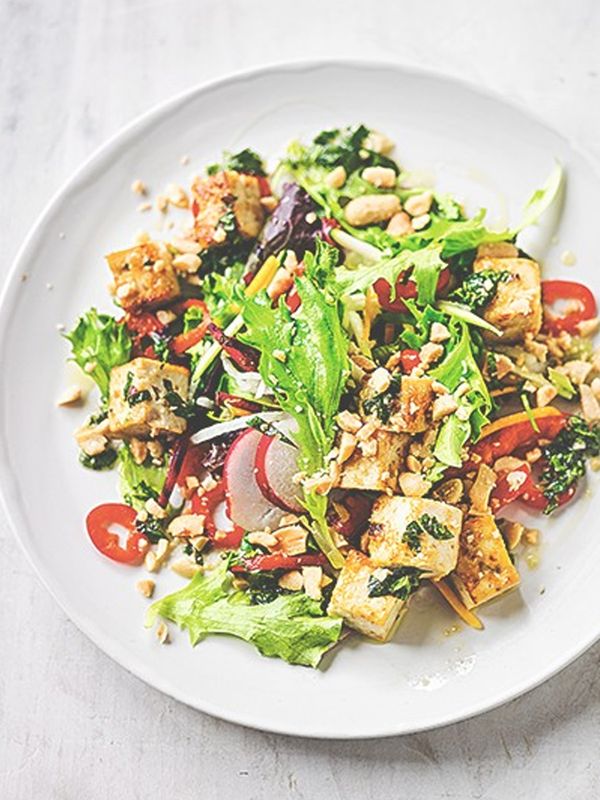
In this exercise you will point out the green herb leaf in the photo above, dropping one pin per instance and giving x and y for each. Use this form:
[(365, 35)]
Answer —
[(479, 288), (565, 458), (139, 482), (246, 161), (400, 582)]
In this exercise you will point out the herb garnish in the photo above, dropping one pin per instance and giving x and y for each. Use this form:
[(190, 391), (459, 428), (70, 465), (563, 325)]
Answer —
[(479, 288), (382, 405), (176, 403), (565, 458), (103, 460), (246, 161), (425, 524), (399, 582)]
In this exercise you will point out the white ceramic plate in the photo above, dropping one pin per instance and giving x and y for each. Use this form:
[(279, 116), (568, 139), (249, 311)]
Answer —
[(494, 154)]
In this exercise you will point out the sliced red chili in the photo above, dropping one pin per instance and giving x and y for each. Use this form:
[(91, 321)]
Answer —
[(519, 436), (264, 186), (534, 497), (102, 518), (556, 291), (409, 359), (206, 504), (270, 561), (182, 343)]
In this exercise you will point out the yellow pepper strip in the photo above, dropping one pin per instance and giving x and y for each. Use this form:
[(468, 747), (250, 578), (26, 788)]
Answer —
[(264, 276), (371, 310), (237, 412), (514, 419), (457, 605)]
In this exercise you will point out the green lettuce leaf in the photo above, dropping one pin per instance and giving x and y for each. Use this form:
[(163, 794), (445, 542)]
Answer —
[(138, 482), (459, 367), (542, 198), (304, 359), (99, 343), (292, 627)]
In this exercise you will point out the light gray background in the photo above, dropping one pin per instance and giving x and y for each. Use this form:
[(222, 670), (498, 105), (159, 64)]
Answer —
[(72, 723)]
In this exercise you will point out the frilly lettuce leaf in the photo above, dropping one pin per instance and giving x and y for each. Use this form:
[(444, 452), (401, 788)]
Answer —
[(99, 343), (292, 627), (138, 482)]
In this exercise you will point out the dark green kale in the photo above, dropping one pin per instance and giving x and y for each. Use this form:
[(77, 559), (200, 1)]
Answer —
[(152, 528), (399, 582), (133, 396), (160, 344), (565, 458), (425, 524), (179, 406), (193, 552), (345, 147), (246, 161), (141, 492), (479, 288), (382, 404), (104, 460)]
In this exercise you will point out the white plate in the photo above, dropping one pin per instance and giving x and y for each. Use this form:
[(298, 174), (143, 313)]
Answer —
[(424, 678)]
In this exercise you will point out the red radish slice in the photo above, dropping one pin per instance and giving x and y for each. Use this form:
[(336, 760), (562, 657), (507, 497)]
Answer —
[(246, 504), (276, 465)]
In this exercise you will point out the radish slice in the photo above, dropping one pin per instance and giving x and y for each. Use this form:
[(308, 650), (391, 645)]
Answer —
[(276, 465), (246, 504)]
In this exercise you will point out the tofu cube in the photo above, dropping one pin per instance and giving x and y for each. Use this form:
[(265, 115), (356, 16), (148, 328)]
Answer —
[(388, 546), (378, 472), (217, 195), (517, 306), (138, 405), (143, 276), (375, 617), (484, 569), (408, 408)]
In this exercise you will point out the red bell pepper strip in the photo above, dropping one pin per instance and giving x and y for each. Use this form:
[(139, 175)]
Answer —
[(98, 523), (409, 359), (243, 355), (269, 561), (553, 292), (510, 486), (206, 504), (143, 323), (521, 435), (264, 186), (224, 398), (534, 497), (405, 290), (182, 343)]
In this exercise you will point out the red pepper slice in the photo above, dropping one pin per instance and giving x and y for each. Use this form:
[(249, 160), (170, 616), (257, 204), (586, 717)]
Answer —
[(409, 359), (405, 290), (181, 306), (143, 323), (533, 496), (264, 186), (224, 398), (182, 343), (98, 523), (510, 485), (270, 561), (554, 291), (206, 504), (522, 435)]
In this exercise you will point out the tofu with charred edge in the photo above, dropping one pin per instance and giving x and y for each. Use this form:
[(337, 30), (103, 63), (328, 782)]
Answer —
[(388, 546), (217, 195), (407, 405), (143, 276), (484, 569), (139, 402), (516, 308), (378, 472), (372, 616)]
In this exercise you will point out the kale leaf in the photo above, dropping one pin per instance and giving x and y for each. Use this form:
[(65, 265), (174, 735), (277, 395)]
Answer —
[(399, 582), (565, 458), (479, 288), (425, 524), (246, 161)]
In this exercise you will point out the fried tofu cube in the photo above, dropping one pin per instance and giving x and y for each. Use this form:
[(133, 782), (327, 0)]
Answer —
[(517, 306), (392, 541), (143, 276), (406, 405), (484, 569), (379, 471), (375, 617), (216, 196), (141, 401)]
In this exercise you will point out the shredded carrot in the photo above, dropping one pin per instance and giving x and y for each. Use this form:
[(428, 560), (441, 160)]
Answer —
[(501, 392), (457, 605), (515, 419)]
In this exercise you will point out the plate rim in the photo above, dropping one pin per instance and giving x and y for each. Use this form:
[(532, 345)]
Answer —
[(9, 502)]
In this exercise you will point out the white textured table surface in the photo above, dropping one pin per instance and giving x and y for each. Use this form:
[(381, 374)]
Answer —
[(72, 723)]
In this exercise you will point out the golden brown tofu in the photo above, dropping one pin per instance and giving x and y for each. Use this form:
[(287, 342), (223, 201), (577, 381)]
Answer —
[(517, 306), (215, 196), (143, 276), (372, 616), (408, 408), (378, 472), (138, 402), (484, 569), (390, 541)]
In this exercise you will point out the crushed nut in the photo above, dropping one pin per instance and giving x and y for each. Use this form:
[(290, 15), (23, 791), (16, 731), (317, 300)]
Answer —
[(588, 327), (336, 178), (418, 204), (187, 525), (291, 539), (544, 395), (438, 333), (513, 531), (177, 196), (380, 177), (139, 187), (312, 581), (421, 222), (346, 447), (186, 568), (187, 262), (162, 633), (70, 396), (430, 353), (399, 225), (366, 431), (443, 406), (589, 404), (145, 587), (413, 484), (263, 539), (292, 581)]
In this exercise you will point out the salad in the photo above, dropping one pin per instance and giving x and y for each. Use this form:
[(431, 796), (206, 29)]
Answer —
[(330, 388)]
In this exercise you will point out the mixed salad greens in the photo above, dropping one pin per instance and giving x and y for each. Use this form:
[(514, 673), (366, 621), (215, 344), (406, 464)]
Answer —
[(309, 395)]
